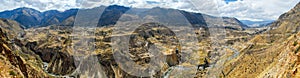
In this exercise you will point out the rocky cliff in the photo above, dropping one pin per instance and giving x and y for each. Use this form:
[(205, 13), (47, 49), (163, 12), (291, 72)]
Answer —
[(16, 60)]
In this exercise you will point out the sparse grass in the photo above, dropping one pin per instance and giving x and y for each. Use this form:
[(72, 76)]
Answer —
[(12, 73), (295, 43), (297, 50), (258, 47), (6, 71)]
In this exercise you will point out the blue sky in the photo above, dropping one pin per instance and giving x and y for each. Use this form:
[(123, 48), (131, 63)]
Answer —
[(228, 1), (241, 9)]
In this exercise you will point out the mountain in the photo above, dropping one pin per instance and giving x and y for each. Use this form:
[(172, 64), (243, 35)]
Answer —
[(32, 18), (56, 17), (252, 24), (113, 14), (17, 61), (274, 53), (29, 17), (26, 16)]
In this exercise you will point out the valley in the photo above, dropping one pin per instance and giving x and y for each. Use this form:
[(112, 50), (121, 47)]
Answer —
[(147, 43)]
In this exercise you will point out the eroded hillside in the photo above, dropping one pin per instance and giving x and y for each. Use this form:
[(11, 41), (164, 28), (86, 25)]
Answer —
[(271, 54), (17, 60)]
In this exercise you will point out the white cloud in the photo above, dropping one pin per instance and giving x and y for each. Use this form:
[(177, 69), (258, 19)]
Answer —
[(256, 9), (242, 9), (41, 5)]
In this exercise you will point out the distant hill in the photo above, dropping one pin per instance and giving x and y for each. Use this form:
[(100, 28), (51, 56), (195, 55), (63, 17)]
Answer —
[(250, 23)]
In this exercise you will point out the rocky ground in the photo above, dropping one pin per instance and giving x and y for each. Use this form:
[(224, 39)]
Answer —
[(55, 44)]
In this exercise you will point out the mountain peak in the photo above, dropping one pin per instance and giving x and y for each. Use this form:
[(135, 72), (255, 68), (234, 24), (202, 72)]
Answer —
[(288, 22), (117, 7), (25, 9), (297, 8)]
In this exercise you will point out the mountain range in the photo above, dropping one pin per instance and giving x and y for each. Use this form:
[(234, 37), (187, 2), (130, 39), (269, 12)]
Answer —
[(28, 17), (250, 23)]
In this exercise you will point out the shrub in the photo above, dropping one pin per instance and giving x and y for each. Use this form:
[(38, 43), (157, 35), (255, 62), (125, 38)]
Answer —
[(12, 73)]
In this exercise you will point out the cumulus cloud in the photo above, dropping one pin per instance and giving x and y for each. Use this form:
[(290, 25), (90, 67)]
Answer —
[(256, 9), (41, 5), (241, 9)]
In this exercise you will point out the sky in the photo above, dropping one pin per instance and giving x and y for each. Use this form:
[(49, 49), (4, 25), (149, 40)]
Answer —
[(255, 10), (228, 1)]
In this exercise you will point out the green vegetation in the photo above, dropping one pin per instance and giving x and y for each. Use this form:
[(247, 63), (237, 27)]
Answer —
[(12, 73), (297, 50), (295, 43)]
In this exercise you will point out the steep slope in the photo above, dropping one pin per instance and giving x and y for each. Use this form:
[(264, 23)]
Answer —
[(271, 54), (111, 15), (55, 17), (12, 28), (16, 60)]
